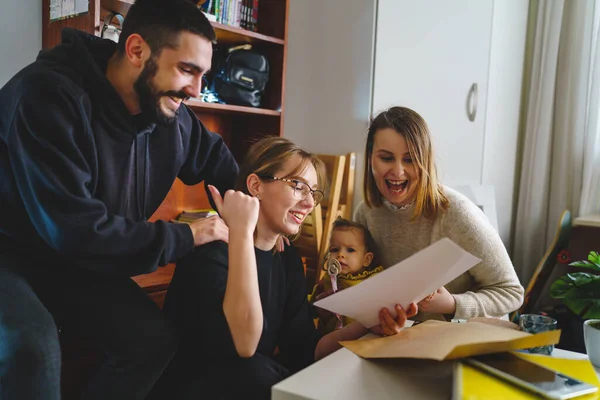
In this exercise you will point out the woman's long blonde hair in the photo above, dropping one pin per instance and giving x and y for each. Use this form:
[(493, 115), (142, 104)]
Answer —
[(430, 198)]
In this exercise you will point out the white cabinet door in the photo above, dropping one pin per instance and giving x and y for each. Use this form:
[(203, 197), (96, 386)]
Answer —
[(428, 56)]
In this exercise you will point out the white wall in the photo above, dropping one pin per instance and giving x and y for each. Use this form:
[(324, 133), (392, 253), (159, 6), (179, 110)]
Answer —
[(429, 55), (329, 74), (507, 60), (20, 35), (329, 87)]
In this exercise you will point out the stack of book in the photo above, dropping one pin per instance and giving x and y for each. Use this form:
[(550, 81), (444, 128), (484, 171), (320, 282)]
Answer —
[(188, 216)]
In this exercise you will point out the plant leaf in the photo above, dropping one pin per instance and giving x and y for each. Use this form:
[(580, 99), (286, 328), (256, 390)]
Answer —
[(586, 264), (563, 285), (594, 257), (584, 300)]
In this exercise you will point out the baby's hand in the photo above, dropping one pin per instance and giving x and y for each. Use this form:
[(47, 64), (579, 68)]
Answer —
[(388, 325)]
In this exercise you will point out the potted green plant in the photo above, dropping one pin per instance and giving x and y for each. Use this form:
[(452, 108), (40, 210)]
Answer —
[(580, 292)]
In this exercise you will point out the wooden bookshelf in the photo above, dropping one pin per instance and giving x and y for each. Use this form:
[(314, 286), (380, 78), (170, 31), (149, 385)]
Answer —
[(229, 34), (228, 108)]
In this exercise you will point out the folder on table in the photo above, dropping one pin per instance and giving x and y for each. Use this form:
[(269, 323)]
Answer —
[(437, 340)]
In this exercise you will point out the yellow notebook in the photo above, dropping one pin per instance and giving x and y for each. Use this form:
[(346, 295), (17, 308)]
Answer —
[(476, 384)]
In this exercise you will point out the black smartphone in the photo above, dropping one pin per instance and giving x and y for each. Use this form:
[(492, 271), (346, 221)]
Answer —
[(531, 376)]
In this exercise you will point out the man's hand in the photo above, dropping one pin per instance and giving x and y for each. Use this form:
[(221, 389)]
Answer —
[(442, 303), (388, 325), (209, 229)]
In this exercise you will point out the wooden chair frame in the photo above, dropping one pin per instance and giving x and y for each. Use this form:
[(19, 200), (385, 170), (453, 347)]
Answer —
[(316, 230)]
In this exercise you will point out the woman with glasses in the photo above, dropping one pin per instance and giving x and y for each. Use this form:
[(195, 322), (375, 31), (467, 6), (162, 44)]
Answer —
[(241, 307)]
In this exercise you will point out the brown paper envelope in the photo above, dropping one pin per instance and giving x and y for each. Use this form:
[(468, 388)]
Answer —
[(437, 340)]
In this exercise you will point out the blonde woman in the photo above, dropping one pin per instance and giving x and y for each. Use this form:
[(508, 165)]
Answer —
[(406, 209)]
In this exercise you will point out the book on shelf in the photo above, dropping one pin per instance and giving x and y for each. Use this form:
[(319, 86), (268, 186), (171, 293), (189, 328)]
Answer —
[(237, 13), (187, 216), (210, 17)]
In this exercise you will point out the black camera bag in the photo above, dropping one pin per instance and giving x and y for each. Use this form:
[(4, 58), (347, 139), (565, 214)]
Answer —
[(241, 78)]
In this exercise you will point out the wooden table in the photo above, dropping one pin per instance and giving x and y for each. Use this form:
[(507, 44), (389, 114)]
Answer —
[(344, 375)]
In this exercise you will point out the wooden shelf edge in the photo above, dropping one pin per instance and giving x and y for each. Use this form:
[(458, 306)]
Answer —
[(228, 108), (246, 33)]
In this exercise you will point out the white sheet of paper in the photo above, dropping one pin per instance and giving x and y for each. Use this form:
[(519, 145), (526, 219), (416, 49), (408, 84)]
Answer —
[(408, 281)]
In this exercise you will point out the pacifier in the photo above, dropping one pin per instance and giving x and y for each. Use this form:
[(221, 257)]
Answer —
[(333, 267)]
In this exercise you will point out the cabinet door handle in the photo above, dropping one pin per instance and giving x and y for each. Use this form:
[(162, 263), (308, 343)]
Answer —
[(472, 99)]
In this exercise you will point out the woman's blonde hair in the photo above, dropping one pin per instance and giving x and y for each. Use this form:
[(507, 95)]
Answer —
[(430, 198), (268, 156)]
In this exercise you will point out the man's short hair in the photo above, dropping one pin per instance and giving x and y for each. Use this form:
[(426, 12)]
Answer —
[(160, 22)]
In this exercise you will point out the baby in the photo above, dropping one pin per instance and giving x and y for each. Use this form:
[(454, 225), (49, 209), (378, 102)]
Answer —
[(350, 260)]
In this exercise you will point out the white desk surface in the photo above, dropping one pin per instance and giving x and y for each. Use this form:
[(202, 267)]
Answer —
[(560, 353), (344, 375)]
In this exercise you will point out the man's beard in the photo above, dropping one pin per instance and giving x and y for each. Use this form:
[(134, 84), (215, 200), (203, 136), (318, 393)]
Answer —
[(149, 97)]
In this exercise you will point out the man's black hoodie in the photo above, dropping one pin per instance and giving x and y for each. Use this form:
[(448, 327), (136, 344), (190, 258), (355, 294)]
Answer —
[(79, 175)]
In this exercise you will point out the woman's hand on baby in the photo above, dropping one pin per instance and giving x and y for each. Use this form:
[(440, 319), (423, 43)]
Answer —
[(442, 302), (238, 210), (388, 325)]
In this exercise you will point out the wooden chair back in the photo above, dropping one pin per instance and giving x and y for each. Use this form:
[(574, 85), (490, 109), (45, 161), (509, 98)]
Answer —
[(331, 202), (347, 193), (316, 229), (309, 243), (540, 279)]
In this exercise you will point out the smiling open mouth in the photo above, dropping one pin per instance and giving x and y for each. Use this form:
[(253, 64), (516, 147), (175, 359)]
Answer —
[(176, 100), (299, 217), (396, 187)]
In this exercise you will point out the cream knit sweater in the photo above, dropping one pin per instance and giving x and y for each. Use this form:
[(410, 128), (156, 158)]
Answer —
[(491, 288)]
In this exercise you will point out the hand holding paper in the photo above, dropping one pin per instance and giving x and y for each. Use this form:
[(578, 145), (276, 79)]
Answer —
[(441, 302), (409, 281), (390, 325)]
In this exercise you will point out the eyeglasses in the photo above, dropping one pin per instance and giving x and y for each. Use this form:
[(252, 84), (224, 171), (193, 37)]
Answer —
[(301, 189)]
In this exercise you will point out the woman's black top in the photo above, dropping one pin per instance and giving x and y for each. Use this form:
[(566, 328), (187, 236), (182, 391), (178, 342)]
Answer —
[(195, 303)]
